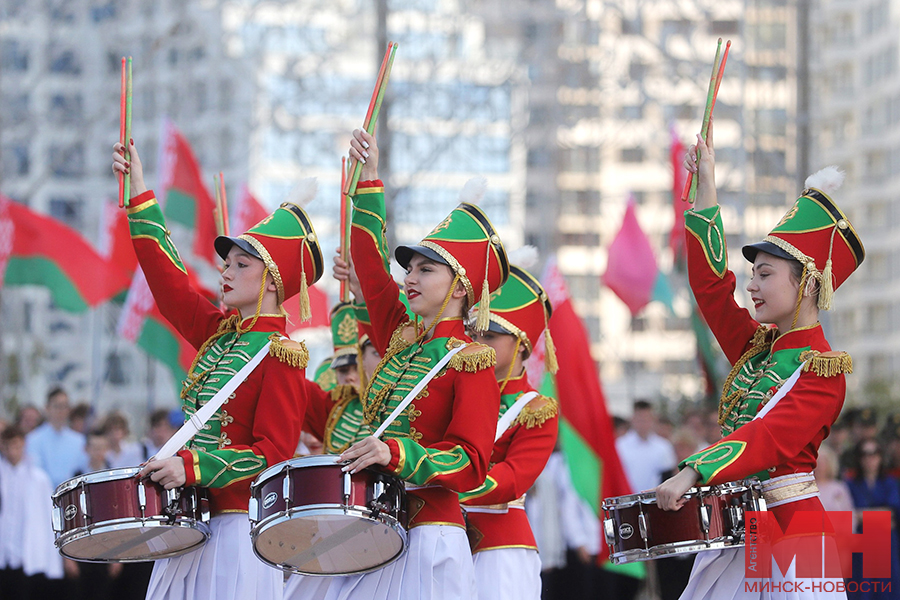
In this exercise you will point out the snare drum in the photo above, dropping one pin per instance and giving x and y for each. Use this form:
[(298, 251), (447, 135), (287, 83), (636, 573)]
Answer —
[(109, 516), (636, 529), (309, 517)]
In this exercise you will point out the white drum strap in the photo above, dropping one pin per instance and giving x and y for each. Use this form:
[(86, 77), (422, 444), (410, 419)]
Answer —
[(509, 416), (199, 419), (781, 393), (415, 391)]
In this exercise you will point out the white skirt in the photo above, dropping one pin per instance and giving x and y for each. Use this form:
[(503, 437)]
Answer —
[(225, 568), (508, 574), (436, 566), (304, 587), (719, 575)]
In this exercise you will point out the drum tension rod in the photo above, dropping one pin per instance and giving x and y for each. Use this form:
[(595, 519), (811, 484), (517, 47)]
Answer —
[(172, 508)]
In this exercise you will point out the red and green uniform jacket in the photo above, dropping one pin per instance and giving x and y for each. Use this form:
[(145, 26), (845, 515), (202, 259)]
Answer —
[(495, 510), (335, 416), (441, 443), (786, 440), (259, 425)]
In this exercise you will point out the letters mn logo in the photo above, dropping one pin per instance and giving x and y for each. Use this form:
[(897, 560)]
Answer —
[(821, 543)]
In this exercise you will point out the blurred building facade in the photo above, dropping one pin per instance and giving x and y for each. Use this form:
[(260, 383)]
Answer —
[(855, 80), (566, 106), (59, 78)]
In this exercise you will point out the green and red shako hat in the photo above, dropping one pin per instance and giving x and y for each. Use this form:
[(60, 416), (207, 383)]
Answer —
[(287, 243), (468, 242), (522, 308), (344, 335), (818, 234)]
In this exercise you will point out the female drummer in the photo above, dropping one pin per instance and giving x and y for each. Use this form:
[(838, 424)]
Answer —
[(786, 386), (507, 565), (260, 423), (440, 445)]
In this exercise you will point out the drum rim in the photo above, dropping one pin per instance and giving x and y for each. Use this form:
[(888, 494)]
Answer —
[(62, 539), (314, 460), (691, 547), (278, 518), (731, 487), (101, 476)]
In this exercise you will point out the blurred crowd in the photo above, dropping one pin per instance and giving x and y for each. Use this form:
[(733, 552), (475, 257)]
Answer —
[(42, 448), (858, 470)]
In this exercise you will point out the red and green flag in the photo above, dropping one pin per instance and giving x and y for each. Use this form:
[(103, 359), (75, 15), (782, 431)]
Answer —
[(585, 428), (185, 199), (39, 250), (679, 176)]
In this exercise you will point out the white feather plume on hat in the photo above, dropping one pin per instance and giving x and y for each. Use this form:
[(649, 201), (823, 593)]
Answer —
[(303, 192), (474, 190), (828, 180)]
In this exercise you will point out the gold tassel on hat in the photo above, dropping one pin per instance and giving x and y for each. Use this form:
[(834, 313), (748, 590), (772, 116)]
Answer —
[(305, 311), (550, 362), (826, 287), (483, 321)]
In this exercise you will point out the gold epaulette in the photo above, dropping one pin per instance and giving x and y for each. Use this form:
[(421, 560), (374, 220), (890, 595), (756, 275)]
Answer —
[(537, 411), (288, 351), (473, 358), (827, 364), (228, 324), (342, 394), (759, 337)]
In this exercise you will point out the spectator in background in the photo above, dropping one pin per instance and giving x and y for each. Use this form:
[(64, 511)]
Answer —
[(30, 566), (664, 428), (833, 491), (53, 446), (93, 581), (890, 434), (620, 426), (163, 425), (79, 417), (122, 451), (873, 489), (645, 456), (28, 418)]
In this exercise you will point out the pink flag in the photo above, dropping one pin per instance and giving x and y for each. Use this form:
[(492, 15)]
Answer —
[(679, 175), (631, 266), (318, 304), (249, 212)]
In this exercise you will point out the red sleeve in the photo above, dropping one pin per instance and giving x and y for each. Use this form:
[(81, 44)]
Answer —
[(195, 317), (369, 250), (791, 431), (729, 322), (526, 455), (317, 409)]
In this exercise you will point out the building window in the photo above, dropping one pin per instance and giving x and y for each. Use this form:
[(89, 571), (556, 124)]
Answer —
[(67, 161), (67, 210), (632, 155), (15, 160), (64, 61), (65, 109), (14, 55)]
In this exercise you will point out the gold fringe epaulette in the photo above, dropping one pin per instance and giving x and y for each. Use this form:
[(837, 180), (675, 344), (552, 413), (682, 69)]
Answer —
[(228, 324), (536, 412), (343, 393), (473, 358), (288, 351), (827, 364), (762, 332)]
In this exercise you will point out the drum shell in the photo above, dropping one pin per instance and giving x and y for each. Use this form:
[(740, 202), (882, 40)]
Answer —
[(629, 519), (315, 485), (104, 510), (312, 488)]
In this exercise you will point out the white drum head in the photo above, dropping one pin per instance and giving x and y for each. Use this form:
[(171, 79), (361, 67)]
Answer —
[(329, 543), (133, 542)]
